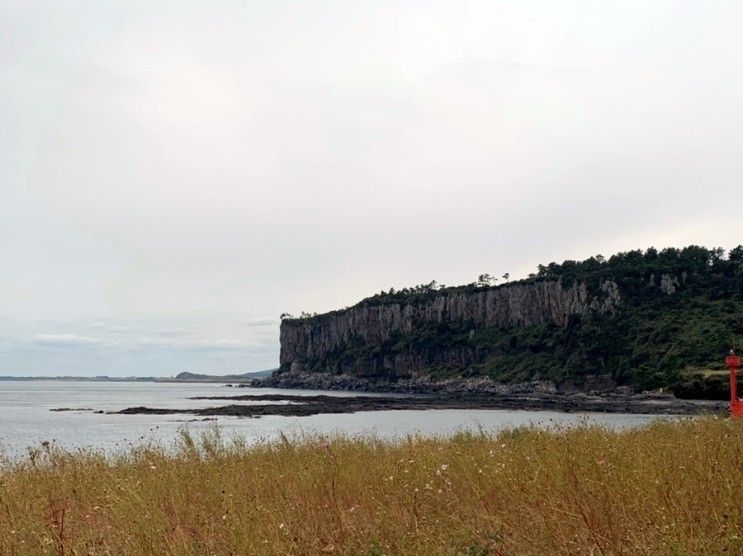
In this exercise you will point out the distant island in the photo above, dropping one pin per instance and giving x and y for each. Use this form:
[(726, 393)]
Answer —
[(197, 377), (180, 377), (639, 320)]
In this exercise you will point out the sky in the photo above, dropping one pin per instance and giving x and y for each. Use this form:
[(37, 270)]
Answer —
[(175, 175)]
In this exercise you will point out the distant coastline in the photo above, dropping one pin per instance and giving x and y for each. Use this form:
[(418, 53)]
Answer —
[(180, 377), (83, 378)]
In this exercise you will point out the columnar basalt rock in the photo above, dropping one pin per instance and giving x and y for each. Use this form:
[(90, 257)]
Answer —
[(668, 284), (518, 305)]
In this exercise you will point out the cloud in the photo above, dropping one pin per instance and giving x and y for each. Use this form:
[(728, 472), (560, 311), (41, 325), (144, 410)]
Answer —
[(110, 327), (65, 340), (149, 342), (168, 182), (262, 322), (199, 344)]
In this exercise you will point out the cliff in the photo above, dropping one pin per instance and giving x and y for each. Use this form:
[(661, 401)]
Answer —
[(573, 323), (311, 340)]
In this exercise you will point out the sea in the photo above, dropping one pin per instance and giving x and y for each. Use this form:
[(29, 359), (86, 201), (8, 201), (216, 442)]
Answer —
[(27, 418)]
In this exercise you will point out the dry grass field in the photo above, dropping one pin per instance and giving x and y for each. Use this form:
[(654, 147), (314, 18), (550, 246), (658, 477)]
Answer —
[(667, 488)]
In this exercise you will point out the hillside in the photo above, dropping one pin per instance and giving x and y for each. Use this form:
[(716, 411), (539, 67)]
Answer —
[(243, 377), (645, 319)]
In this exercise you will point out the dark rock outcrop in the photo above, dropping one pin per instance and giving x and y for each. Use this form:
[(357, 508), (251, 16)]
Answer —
[(515, 396)]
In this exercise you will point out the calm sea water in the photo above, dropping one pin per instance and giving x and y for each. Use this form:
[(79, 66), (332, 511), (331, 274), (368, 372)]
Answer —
[(26, 418)]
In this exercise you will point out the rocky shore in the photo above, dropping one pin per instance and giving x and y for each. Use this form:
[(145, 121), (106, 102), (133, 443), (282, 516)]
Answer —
[(491, 394), (423, 393)]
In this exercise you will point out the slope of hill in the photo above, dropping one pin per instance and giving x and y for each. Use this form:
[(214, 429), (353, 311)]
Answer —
[(645, 319), (243, 377)]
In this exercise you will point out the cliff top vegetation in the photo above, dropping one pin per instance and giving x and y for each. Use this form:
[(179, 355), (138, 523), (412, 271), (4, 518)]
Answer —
[(629, 268)]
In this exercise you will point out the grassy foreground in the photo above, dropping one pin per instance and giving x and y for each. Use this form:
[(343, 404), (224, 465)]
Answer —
[(668, 488)]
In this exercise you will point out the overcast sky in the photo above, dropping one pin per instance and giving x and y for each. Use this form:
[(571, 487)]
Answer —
[(174, 175)]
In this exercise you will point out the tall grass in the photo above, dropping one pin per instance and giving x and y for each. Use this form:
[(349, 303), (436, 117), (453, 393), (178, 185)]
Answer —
[(667, 488)]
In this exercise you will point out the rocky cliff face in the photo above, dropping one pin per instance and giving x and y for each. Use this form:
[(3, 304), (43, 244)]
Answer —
[(308, 342)]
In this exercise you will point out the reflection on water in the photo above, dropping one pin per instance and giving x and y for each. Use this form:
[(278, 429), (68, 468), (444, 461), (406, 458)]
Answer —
[(26, 418)]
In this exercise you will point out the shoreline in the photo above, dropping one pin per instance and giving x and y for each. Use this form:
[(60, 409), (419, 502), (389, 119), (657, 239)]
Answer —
[(492, 395), (422, 394)]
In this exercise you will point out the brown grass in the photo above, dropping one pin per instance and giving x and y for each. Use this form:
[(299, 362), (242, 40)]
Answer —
[(667, 488)]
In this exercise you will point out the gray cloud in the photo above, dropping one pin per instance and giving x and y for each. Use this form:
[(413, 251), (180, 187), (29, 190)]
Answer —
[(66, 340), (262, 322), (171, 185)]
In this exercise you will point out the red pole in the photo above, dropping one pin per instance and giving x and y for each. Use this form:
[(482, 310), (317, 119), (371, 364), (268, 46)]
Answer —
[(733, 385), (733, 363)]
